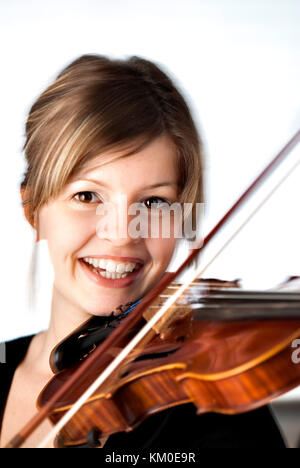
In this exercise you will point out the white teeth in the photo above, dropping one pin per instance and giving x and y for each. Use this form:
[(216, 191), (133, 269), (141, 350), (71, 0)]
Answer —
[(102, 263), (111, 266), (107, 275), (121, 267), (130, 266)]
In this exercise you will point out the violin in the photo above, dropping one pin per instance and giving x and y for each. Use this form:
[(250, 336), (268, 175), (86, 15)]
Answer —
[(225, 355), (206, 342)]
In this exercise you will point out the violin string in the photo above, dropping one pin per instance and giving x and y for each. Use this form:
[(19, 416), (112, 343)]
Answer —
[(198, 272), (240, 295)]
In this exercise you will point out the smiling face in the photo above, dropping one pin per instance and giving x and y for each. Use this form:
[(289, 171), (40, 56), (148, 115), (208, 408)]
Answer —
[(95, 274)]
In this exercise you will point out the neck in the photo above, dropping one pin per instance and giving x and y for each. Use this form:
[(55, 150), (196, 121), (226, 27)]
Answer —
[(65, 318)]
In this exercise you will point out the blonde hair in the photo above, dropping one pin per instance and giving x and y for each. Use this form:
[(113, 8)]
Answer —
[(97, 104)]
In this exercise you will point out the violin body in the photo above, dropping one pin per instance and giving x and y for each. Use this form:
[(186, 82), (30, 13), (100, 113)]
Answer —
[(228, 365)]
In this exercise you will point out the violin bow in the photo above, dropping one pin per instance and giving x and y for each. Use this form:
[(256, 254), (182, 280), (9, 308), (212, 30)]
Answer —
[(135, 316)]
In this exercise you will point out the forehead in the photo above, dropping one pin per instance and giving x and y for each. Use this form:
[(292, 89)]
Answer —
[(157, 161)]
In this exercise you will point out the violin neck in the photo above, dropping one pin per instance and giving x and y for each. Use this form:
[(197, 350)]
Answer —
[(242, 305)]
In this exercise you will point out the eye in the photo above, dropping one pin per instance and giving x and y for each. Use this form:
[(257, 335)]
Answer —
[(156, 202), (86, 197)]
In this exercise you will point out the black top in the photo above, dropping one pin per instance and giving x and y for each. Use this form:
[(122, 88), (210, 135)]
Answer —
[(177, 428)]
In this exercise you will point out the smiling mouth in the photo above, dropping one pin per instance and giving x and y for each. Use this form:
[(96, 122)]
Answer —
[(111, 269)]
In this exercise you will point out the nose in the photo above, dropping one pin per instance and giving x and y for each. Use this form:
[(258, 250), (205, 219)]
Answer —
[(114, 224)]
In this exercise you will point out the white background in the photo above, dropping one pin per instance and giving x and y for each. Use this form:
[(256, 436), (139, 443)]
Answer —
[(237, 62)]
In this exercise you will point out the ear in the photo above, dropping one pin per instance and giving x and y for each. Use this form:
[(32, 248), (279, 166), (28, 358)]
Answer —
[(25, 195)]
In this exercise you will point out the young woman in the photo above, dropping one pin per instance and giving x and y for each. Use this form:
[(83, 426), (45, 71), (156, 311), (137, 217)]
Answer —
[(107, 131)]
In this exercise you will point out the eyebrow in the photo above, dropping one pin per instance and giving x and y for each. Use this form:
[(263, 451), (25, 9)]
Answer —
[(158, 184)]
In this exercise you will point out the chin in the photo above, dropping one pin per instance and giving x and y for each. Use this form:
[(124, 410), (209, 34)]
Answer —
[(102, 307)]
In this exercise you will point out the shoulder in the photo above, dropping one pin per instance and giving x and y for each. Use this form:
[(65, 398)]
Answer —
[(11, 354), (13, 351)]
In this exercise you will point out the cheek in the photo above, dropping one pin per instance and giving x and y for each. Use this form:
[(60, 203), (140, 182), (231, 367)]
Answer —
[(161, 251), (65, 233)]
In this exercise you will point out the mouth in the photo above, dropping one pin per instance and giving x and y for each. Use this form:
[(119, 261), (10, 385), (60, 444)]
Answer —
[(111, 273)]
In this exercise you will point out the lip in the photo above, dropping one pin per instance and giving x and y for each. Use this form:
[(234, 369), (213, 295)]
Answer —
[(116, 258), (110, 283)]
